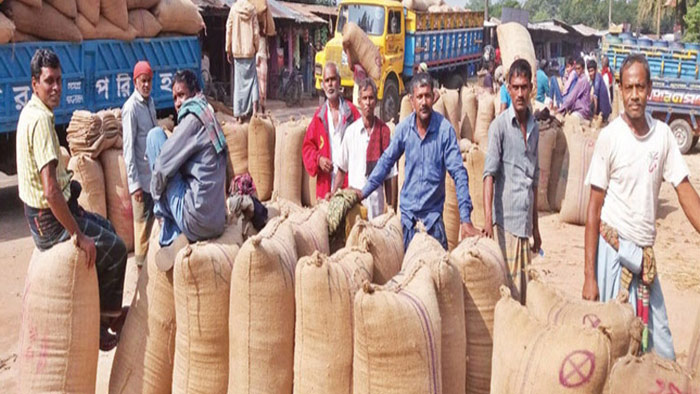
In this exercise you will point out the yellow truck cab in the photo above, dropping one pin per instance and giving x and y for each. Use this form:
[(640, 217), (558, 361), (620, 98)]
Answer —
[(448, 42)]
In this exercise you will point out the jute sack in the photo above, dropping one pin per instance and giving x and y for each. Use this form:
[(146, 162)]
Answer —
[(548, 305), (237, 140), (480, 263), (540, 358), (475, 158), (323, 344), (119, 210), (281, 207), (397, 341), (308, 189), (515, 43), (450, 213), (406, 107), (465, 128), (104, 29), (452, 108), (90, 9), (288, 162), (450, 295), (496, 105), (65, 156), (483, 120), (68, 8), (261, 152), (145, 4), (31, 3), (59, 335), (420, 5), (470, 105), (88, 173), (439, 106), (261, 314), (310, 230), (145, 23), (650, 374), (693, 364), (179, 16), (559, 171), (383, 238), (575, 204), (116, 12), (143, 362), (201, 281), (361, 50), (7, 29), (61, 28), (545, 151), (617, 106)]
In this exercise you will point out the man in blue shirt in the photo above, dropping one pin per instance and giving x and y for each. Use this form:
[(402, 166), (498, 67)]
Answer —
[(542, 82), (430, 144), (601, 99)]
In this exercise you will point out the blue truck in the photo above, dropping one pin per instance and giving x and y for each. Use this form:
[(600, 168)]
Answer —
[(675, 73), (96, 75)]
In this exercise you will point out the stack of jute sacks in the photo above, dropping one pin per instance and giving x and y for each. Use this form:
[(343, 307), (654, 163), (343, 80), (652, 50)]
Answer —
[(77, 20), (7, 29)]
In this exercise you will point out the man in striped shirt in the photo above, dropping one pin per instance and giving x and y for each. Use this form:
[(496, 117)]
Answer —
[(51, 198)]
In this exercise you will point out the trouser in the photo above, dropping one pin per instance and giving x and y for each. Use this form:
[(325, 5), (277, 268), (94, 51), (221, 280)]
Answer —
[(110, 261), (169, 207), (437, 231), (143, 223), (518, 257), (555, 91)]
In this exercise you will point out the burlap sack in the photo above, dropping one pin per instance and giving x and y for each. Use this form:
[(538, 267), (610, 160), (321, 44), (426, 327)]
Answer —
[(496, 105), (385, 317), (548, 305), (361, 50), (90, 10), (261, 152), (420, 5), (559, 171), (480, 263), (470, 105), (323, 345), (288, 162), (650, 374), (281, 207), (383, 238), (116, 12), (201, 281), (68, 8), (406, 107), (59, 335), (31, 3), (143, 362), (439, 106), (424, 249), (693, 364), (575, 204), (145, 23), (310, 230), (308, 189), (145, 4), (237, 141), (540, 358), (104, 29), (88, 173), (617, 106), (453, 109), (515, 43), (483, 120), (474, 162), (65, 156), (545, 151), (261, 314), (465, 128), (7, 29), (450, 213), (179, 16), (119, 210), (61, 27)]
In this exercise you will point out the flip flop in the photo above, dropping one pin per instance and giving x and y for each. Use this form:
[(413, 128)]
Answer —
[(107, 341), (118, 322)]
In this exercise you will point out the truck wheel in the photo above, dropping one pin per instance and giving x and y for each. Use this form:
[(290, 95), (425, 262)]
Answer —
[(684, 134), (390, 103)]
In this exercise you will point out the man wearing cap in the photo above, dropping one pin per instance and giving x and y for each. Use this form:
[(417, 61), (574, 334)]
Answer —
[(138, 118)]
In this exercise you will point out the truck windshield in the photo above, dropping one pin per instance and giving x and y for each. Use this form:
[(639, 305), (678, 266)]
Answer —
[(370, 18)]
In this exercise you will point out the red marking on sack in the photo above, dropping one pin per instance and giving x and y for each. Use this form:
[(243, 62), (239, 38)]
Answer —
[(577, 368), (592, 320)]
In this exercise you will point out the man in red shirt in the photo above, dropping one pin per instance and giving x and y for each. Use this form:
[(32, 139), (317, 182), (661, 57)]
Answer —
[(324, 136)]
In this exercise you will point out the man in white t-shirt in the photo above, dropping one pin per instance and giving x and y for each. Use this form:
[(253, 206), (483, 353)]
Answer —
[(365, 141), (632, 156)]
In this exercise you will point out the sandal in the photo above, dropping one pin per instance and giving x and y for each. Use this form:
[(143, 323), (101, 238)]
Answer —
[(118, 322), (107, 341)]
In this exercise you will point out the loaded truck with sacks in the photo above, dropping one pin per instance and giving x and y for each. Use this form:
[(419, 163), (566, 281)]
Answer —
[(675, 95), (448, 40)]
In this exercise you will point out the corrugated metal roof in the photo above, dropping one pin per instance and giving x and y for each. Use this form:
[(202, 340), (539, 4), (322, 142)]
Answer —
[(588, 31), (547, 26), (303, 10)]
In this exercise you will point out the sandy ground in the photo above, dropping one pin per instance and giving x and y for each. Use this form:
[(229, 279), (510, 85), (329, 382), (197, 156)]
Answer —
[(677, 249)]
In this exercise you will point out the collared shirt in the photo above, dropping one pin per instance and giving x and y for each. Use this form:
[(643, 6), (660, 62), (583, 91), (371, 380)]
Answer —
[(336, 135), (37, 145), (578, 100), (353, 161), (138, 118), (600, 91), (571, 79), (542, 86), (423, 192), (515, 171)]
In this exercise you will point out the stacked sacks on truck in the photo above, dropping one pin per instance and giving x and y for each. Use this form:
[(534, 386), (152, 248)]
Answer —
[(145, 23), (323, 345), (7, 29), (56, 26), (179, 16), (383, 238)]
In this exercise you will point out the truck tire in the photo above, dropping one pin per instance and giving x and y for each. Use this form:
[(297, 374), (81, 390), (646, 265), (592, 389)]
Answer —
[(684, 134), (390, 102)]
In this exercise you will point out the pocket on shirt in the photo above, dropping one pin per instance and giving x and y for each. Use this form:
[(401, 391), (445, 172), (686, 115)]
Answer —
[(525, 172)]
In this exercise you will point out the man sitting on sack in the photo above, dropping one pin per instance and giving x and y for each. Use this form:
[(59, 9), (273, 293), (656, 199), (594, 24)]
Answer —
[(430, 145), (365, 141), (632, 156), (51, 198), (188, 172)]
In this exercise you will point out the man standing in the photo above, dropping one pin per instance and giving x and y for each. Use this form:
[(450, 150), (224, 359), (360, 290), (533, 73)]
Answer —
[(261, 67), (365, 141), (632, 156), (324, 136), (601, 100), (51, 198), (242, 34), (569, 78), (430, 145), (542, 82), (189, 172), (578, 100), (138, 118), (489, 77), (515, 172), (607, 75)]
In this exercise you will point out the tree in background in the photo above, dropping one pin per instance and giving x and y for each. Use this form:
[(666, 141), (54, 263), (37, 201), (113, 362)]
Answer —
[(692, 24)]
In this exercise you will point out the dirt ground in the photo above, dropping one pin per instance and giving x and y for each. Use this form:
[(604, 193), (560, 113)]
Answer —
[(677, 250)]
